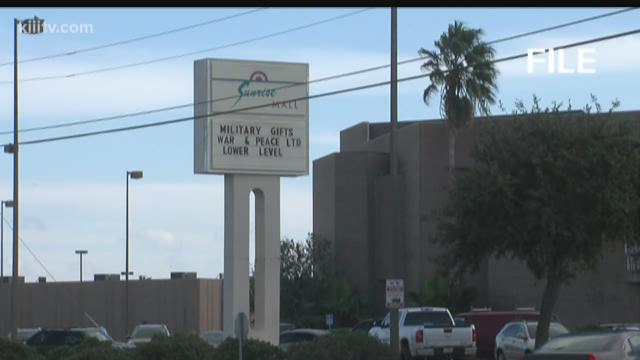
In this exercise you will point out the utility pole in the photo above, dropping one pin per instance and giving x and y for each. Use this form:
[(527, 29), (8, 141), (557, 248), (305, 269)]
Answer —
[(136, 174), (393, 169), (16, 198)]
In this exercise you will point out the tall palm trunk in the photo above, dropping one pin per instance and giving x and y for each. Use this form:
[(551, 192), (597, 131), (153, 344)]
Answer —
[(452, 154)]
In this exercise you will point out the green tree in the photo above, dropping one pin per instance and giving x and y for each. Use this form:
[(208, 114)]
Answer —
[(90, 349), (445, 292), (15, 350), (342, 345), (461, 70), (550, 189), (178, 346), (310, 286), (252, 349)]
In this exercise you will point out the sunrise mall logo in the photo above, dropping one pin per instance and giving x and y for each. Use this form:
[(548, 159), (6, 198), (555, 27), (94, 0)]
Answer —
[(253, 88)]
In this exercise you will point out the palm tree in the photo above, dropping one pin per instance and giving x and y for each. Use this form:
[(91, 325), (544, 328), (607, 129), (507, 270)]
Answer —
[(461, 70)]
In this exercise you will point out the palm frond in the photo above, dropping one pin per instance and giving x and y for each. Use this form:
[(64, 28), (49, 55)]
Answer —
[(461, 69)]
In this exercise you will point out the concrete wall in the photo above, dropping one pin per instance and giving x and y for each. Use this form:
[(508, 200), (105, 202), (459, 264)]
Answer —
[(346, 189), (185, 305)]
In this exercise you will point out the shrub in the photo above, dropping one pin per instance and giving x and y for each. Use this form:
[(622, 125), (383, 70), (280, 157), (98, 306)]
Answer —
[(251, 350), (179, 346), (342, 345), (13, 350), (90, 349)]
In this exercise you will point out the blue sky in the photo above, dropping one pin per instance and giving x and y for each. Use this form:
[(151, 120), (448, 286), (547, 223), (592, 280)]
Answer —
[(73, 192)]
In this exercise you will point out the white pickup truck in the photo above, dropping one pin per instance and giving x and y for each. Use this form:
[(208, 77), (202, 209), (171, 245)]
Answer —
[(429, 332)]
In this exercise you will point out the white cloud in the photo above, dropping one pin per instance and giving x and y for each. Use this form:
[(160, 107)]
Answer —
[(327, 138), (160, 237), (114, 92)]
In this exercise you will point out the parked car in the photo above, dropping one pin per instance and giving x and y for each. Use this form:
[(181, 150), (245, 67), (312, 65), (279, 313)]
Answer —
[(488, 324), (518, 338), (429, 332), (620, 326), (619, 345), (142, 334), (296, 336), (101, 334), (48, 339), (25, 333), (364, 326)]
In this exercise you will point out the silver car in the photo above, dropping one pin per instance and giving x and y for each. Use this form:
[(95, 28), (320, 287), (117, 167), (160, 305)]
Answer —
[(142, 334), (518, 338), (622, 345)]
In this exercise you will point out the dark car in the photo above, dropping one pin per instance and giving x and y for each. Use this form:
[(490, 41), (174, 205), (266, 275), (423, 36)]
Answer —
[(623, 345), (48, 339)]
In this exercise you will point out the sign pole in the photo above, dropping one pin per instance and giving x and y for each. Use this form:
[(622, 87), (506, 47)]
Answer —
[(394, 301), (395, 331), (241, 330)]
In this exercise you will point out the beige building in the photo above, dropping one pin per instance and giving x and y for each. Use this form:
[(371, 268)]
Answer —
[(187, 305), (352, 208)]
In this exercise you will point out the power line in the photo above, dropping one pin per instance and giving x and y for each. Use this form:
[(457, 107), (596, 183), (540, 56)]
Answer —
[(174, 107), (539, 31), (31, 252), (351, 73), (173, 57), (310, 97), (579, 21), (136, 39)]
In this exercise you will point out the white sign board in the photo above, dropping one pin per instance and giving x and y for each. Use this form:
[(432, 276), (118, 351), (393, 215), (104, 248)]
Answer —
[(395, 293), (251, 117)]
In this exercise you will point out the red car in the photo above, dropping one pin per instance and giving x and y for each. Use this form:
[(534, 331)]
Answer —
[(489, 323)]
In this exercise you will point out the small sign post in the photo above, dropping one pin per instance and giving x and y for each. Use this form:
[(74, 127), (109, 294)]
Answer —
[(242, 331), (395, 300)]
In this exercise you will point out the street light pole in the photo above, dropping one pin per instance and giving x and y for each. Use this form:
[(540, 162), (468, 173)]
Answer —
[(137, 174), (30, 26), (81, 252)]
